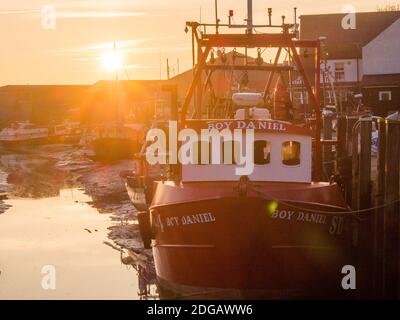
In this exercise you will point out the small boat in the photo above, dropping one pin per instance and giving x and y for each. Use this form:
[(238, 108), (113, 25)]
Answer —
[(117, 142), (136, 188), (68, 133), (23, 133), (27, 133)]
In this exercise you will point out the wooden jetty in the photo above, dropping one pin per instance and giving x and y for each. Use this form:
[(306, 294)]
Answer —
[(371, 185)]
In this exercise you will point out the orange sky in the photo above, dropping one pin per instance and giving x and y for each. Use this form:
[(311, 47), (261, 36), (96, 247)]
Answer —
[(144, 30)]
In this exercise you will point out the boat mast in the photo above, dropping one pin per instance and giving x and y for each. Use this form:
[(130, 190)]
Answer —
[(216, 17), (116, 88), (115, 54), (287, 38)]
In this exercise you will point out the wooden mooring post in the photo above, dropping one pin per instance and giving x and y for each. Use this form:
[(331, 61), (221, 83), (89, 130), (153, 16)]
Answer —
[(328, 166), (378, 220), (386, 222), (361, 195), (347, 160), (354, 159), (350, 123), (391, 211), (379, 228), (343, 161), (341, 137), (364, 200)]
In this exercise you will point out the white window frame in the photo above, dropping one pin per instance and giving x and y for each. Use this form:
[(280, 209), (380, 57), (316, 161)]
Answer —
[(340, 71), (381, 93), (301, 97)]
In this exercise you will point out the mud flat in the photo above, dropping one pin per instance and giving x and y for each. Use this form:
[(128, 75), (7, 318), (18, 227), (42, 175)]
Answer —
[(5, 188)]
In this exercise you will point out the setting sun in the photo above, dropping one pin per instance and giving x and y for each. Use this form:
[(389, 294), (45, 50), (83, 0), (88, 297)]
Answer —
[(111, 61)]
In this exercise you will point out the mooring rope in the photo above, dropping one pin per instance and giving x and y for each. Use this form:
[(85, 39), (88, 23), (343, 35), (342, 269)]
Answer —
[(262, 194)]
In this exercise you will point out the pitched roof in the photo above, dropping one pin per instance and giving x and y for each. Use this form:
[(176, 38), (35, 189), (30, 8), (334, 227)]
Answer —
[(382, 80), (11, 89), (342, 43)]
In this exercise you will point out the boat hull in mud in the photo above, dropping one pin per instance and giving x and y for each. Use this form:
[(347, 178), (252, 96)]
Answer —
[(251, 245), (10, 144), (113, 149), (15, 144)]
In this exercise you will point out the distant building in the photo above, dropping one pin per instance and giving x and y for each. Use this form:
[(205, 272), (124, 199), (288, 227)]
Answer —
[(364, 59), (109, 101), (41, 104), (381, 66)]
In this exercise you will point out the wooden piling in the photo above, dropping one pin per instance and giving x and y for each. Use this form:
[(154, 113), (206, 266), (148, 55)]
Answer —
[(378, 221), (341, 137), (391, 211), (351, 160), (343, 162), (328, 165), (350, 122), (364, 165), (355, 196), (364, 200)]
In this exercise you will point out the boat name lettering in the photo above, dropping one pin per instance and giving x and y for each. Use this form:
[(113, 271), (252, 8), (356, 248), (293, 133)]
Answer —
[(300, 216), (190, 219), (255, 125)]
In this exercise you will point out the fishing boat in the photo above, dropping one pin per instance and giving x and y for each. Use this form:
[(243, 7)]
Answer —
[(67, 132), (275, 232), (117, 142)]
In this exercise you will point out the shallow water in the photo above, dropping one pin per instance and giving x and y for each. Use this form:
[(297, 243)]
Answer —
[(36, 233), (47, 219)]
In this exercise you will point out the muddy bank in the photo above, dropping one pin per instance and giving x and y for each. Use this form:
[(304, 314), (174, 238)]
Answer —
[(5, 188)]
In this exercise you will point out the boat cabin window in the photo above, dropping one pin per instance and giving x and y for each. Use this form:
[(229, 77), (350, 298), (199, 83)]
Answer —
[(291, 153), (271, 153), (262, 152)]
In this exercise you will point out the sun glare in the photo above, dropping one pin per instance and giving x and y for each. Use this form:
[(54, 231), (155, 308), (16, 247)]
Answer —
[(111, 61)]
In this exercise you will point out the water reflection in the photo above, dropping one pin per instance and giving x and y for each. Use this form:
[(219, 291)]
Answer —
[(51, 231), (143, 264), (51, 197)]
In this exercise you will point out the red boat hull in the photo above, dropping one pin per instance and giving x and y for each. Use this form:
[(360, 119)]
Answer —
[(250, 243)]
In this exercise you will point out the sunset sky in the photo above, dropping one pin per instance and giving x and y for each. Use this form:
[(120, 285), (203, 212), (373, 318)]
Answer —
[(144, 31)]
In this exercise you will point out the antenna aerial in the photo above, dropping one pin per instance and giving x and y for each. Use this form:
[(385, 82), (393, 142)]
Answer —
[(216, 17), (249, 16)]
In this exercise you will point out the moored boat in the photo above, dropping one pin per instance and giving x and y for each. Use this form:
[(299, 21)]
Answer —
[(27, 133), (117, 142), (23, 133), (274, 231)]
